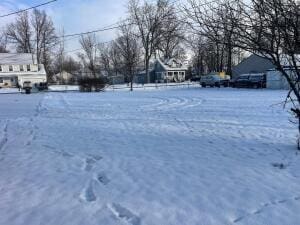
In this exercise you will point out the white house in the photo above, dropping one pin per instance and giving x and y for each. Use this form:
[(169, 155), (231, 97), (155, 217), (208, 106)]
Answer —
[(170, 70), (16, 68)]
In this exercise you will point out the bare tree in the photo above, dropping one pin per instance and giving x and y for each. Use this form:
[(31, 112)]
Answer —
[(3, 43), (115, 59), (172, 35), (128, 46), (89, 45), (149, 19), (45, 38), (216, 22), (34, 34), (105, 58), (20, 33)]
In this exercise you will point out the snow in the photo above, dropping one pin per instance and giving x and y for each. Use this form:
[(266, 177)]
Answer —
[(63, 88), (168, 156)]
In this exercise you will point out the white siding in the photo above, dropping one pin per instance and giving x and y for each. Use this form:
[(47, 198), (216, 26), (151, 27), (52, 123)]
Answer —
[(275, 80)]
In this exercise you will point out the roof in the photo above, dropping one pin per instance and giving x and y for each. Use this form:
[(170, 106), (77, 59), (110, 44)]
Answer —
[(63, 73), (167, 65), (17, 59), (253, 64)]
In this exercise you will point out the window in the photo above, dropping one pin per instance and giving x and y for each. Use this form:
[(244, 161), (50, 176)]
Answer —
[(10, 68), (28, 67), (21, 68), (0, 68), (1, 80), (170, 74)]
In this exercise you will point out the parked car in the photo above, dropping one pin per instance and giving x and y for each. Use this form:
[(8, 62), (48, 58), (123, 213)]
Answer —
[(195, 78), (250, 81), (214, 81), (41, 86)]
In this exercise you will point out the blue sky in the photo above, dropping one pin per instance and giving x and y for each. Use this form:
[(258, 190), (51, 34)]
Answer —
[(74, 15)]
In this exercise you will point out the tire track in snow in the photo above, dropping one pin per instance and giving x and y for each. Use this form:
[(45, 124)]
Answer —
[(264, 206), (173, 103)]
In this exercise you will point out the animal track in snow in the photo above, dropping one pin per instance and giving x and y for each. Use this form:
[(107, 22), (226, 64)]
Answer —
[(88, 194), (124, 214)]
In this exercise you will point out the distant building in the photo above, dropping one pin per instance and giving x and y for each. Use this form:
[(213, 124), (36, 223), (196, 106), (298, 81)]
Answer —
[(16, 68), (255, 64), (64, 78), (170, 70), (116, 79), (275, 80), (252, 64)]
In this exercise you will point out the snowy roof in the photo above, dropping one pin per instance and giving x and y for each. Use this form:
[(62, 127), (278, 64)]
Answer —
[(168, 65), (17, 59)]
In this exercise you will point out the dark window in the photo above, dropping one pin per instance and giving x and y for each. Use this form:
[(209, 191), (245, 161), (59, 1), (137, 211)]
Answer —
[(1, 80), (0, 68), (256, 77), (28, 67), (21, 68), (10, 68)]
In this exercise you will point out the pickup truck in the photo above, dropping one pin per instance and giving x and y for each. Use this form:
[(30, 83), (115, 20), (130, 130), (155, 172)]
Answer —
[(27, 87), (214, 81)]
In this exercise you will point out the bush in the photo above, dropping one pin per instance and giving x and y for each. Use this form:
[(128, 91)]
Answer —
[(92, 84)]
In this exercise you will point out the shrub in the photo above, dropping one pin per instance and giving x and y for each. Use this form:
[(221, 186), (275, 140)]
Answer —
[(92, 84)]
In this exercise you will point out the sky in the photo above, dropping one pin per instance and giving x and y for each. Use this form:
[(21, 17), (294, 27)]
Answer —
[(74, 16)]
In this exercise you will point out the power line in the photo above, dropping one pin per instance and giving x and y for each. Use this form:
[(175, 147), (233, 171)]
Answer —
[(94, 31), (113, 27), (23, 10), (106, 28)]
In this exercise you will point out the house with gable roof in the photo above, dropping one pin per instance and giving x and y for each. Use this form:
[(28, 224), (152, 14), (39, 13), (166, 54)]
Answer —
[(17, 68)]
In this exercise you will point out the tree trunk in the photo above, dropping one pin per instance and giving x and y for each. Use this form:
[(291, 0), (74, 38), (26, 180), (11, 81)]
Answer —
[(229, 60), (147, 71)]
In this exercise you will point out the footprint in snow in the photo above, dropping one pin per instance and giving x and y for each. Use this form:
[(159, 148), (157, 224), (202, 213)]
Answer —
[(88, 194), (124, 214), (95, 157), (90, 161), (102, 178)]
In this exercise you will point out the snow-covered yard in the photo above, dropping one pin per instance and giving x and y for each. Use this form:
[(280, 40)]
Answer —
[(162, 157)]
